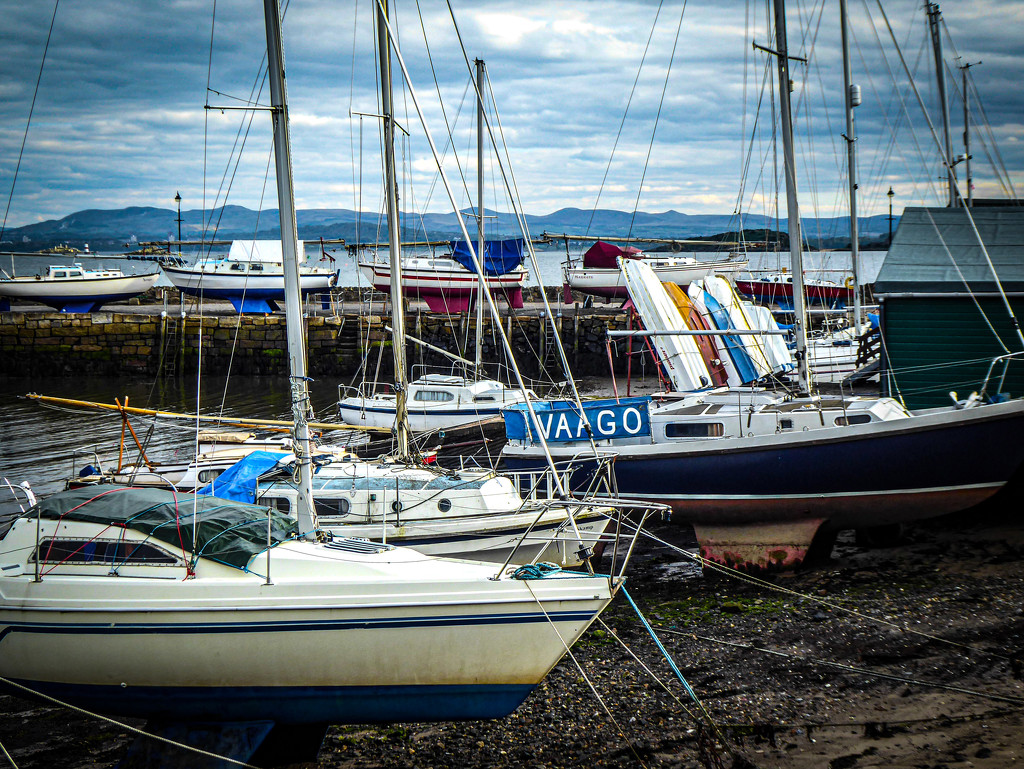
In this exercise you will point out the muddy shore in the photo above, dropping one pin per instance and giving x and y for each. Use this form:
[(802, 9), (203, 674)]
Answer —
[(907, 656)]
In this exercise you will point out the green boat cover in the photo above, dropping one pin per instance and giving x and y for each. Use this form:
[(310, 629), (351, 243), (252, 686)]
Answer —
[(225, 531)]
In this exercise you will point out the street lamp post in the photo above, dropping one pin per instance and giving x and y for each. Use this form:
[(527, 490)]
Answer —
[(177, 199), (889, 195)]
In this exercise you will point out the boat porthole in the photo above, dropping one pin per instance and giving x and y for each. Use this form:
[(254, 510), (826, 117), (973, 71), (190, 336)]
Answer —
[(396, 506), (444, 505)]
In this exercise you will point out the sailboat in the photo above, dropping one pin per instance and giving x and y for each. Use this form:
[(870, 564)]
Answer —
[(192, 609), (437, 401), (73, 288), (251, 276), (768, 478)]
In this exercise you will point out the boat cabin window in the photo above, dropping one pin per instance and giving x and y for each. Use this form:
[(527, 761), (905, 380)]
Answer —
[(281, 504), (205, 476), (331, 507), (444, 505), (238, 267), (434, 396), (255, 268), (484, 399), (694, 430), (785, 424), (853, 419), (88, 551), (60, 274)]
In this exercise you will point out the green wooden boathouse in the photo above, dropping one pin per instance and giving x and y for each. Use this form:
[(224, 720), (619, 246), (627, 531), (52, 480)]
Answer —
[(943, 315)]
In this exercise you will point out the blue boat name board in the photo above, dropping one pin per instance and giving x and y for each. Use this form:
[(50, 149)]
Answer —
[(559, 421)]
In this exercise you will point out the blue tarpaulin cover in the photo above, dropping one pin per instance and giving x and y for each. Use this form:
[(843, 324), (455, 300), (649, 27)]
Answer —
[(561, 423), (500, 256), (238, 482)]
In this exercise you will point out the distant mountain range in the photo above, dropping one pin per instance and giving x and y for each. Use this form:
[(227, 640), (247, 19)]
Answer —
[(126, 227)]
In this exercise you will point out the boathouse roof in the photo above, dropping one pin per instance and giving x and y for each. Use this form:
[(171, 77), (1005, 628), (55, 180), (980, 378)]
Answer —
[(936, 251)]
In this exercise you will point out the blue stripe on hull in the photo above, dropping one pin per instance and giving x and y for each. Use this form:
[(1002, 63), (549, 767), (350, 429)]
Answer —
[(360, 623), (293, 705)]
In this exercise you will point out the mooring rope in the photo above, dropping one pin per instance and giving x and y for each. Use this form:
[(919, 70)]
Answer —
[(127, 727)]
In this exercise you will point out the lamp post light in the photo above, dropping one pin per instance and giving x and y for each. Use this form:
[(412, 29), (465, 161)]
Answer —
[(889, 194)]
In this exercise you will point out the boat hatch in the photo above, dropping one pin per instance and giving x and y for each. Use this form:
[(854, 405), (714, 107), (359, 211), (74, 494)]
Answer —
[(352, 545)]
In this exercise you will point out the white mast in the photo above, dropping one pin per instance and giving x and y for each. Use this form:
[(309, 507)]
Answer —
[(795, 238), (305, 512), (480, 248), (934, 14), (852, 100), (394, 237)]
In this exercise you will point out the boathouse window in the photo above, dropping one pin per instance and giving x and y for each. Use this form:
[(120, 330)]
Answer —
[(434, 396), (694, 430), (102, 551), (853, 419), (327, 506)]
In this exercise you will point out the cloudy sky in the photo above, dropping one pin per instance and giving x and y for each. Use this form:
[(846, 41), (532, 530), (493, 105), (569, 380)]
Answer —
[(119, 117)]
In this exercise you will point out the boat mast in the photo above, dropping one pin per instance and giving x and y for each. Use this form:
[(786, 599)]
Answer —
[(934, 14), (967, 136), (394, 236), (480, 247), (795, 238), (852, 100), (305, 512)]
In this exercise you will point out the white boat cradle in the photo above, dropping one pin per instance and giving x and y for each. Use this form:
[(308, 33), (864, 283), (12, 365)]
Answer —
[(105, 602), (251, 276), (435, 401), (73, 288)]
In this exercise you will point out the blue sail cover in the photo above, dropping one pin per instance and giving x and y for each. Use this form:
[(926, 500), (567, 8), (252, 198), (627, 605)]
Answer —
[(560, 421), (238, 482), (500, 256)]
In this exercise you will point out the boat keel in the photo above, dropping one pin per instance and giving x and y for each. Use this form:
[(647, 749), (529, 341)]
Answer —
[(761, 547)]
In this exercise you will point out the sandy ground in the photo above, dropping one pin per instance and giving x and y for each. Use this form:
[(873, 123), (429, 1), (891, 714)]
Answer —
[(908, 656)]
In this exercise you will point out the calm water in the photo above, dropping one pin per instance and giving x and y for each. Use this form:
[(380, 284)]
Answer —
[(44, 445)]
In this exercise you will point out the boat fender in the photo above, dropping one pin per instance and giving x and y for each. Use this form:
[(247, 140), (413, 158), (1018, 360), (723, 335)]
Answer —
[(88, 470)]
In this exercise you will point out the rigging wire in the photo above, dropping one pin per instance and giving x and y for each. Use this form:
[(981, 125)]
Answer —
[(967, 211), (657, 119), (28, 124), (625, 112)]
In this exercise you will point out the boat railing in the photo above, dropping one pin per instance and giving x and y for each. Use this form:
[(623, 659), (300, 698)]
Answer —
[(585, 473), (1005, 360)]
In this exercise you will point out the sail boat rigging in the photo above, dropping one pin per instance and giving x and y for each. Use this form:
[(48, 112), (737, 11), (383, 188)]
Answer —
[(440, 401), (762, 476), (235, 618)]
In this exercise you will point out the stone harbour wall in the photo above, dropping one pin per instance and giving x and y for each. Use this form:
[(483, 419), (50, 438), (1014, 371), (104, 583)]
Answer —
[(154, 344)]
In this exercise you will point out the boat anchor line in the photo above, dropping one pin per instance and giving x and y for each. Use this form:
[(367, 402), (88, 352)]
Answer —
[(751, 579), (120, 724)]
